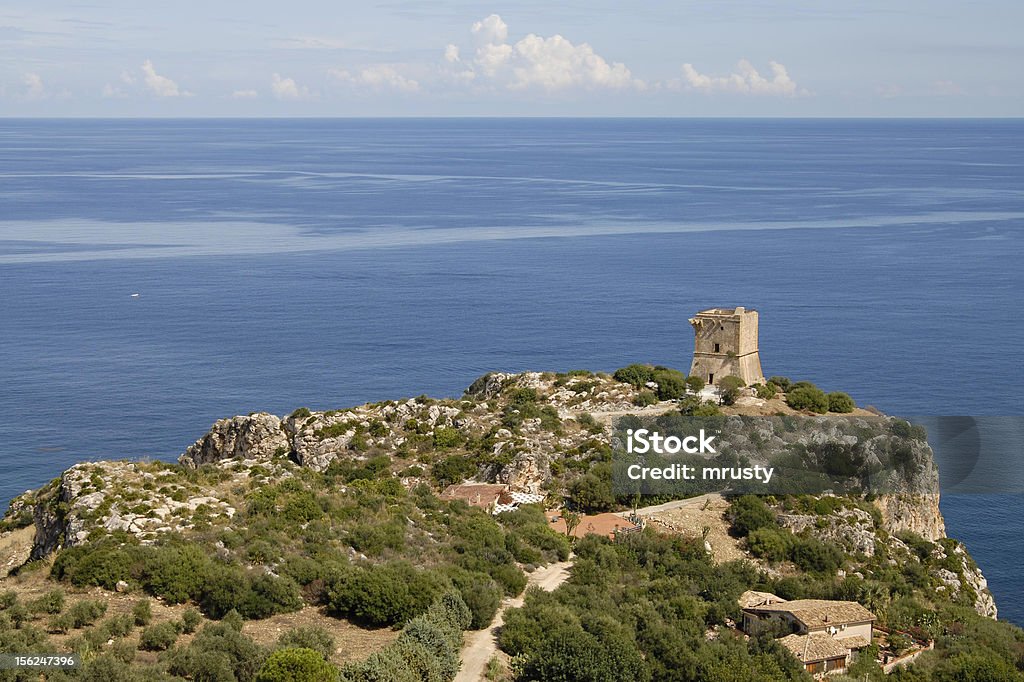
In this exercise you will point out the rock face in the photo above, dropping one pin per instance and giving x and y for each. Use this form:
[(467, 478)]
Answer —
[(917, 513), (851, 529), (257, 436)]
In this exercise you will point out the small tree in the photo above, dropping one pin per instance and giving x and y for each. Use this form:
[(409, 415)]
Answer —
[(296, 665), (694, 383), (840, 402), (729, 389), (572, 521), (808, 398)]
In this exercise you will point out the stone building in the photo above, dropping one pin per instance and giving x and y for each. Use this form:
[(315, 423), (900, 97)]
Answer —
[(824, 635), (726, 344)]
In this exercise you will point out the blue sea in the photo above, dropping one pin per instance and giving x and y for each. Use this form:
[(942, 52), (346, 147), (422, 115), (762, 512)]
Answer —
[(281, 263)]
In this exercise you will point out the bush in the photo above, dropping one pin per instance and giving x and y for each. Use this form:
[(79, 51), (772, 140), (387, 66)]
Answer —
[(814, 556), (86, 612), (808, 398), (671, 384), (453, 469), (482, 595), (782, 382), (175, 573), (729, 389), (770, 544), (224, 591), (315, 638), (840, 402), (748, 513), (190, 621), (592, 493), (766, 391), (382, 595), (427, 649), (695, 383), (446, 437), (635, 375), (52, 602), (142, 612), (218, 652), (158, 637), (645, 398), (269, 595), (296, 665)]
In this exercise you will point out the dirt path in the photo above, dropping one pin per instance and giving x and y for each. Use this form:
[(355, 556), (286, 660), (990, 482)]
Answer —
[(481, 646), (690, 517)]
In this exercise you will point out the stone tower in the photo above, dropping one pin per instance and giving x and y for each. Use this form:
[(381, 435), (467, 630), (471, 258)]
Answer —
[(726, 344)]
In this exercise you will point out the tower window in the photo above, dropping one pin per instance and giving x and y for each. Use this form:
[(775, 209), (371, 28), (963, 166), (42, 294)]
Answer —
[(718, 347)]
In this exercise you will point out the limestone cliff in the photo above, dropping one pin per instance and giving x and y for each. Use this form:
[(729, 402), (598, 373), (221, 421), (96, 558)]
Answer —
[(527, 430)]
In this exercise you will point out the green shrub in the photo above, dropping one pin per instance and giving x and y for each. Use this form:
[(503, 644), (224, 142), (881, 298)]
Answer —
[(482, 595), (446, 437), (814, 556), (219, 651), (52, 602), (453, 469), (86, 612), (592, 493), (766, 391), (671, 383), (269, 595), (158, 637), (296, 665), (316, 638), (808, 398), (645, 398), (224, 590), (117, 626), (782, 382), (770, 544), (382, 595), (522, 396), (190, 621), (729, 389), (748, 513), (635, 375), (840, 402), (300, 413), (142, 612), (695, 383)]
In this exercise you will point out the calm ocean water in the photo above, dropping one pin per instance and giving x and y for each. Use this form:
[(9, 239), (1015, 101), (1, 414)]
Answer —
[(327, 263)]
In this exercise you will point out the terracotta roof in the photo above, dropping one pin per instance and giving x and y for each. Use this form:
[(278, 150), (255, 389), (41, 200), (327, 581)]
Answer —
[(819, 613), (751, 599), (854, 642), (598, 524), (816, 647)]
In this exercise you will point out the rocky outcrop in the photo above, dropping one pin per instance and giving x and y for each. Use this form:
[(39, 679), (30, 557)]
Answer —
[(256, 436), (852, 529), (916, 513)]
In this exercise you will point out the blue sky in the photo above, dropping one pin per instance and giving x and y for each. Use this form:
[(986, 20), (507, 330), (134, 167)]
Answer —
[(463, 57)]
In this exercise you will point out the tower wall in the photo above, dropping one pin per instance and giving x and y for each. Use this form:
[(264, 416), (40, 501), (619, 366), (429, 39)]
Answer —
[(725, 344)]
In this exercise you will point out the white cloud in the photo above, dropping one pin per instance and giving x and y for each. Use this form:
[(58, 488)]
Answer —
[(451, 53), (34, 86), (244, 94), (287, 88), (378, 77), (161, 86), (551, 64), (491, 30), (745, 79)]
